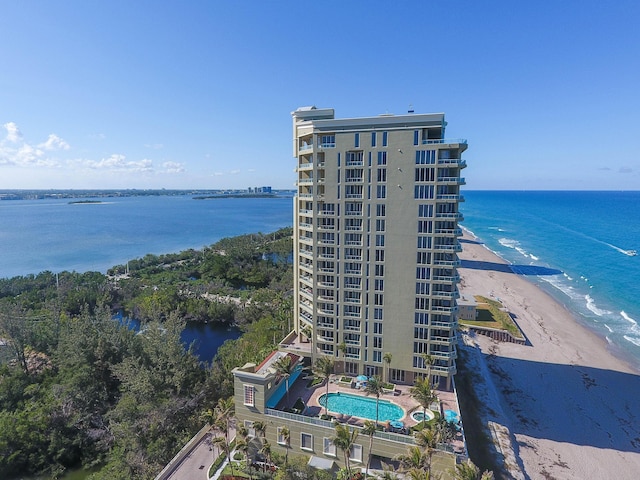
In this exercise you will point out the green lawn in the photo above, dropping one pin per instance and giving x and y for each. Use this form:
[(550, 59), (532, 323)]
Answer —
[(491, 314)]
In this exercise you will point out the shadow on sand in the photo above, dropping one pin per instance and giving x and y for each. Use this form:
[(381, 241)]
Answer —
[(574, 404), (509, 268)]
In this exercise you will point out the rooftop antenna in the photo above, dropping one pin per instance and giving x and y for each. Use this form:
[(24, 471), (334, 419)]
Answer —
[(410, 108)]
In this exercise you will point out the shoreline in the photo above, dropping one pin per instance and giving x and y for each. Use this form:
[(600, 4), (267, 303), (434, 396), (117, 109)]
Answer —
[(565, 399), (614, 349)]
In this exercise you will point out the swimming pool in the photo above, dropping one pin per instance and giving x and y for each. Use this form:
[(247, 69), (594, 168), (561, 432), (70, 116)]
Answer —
[(362, 407)]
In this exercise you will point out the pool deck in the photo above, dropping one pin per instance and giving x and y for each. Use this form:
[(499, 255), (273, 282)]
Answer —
[(401, 397)]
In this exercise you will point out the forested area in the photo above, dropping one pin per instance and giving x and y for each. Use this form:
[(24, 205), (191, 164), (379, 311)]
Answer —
[(78, 387)]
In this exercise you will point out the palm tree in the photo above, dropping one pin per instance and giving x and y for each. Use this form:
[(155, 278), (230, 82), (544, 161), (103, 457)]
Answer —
[(285, 433), (375, 387), (369, 429), (265, 451), (428, 361), (222, 416), (324, 368), (307, 331), (285, 367), (260, 428), (342, 347), (469, 471), (242, 446), (387, 361), (344, 439), (415, 458), (427, 438), (424, 395), (419, 474)]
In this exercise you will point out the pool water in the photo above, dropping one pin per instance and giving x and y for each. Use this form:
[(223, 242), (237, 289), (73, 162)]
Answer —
[(419, 416), (362, 407)]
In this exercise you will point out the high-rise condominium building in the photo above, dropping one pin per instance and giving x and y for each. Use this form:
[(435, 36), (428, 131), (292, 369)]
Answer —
[(375, 243)]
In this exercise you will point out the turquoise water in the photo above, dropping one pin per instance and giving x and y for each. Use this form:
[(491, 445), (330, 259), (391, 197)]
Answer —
[(362, 407), (584, 235)]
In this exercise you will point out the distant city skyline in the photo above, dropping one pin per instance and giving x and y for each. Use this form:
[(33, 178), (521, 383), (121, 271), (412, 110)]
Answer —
[(152, 95)]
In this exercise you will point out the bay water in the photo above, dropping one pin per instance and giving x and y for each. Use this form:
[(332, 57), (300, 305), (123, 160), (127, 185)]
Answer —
[(587, 236)]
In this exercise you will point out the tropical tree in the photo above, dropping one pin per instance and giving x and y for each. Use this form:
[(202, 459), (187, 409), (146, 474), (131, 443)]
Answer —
[(387, 361), (375, 387), (344, 439), (307, 331), (469, 471), (369, 429), (415, 458), (261, 428), (428, 362), (223, 416), (428, 439), (265, 451), (285, 434), (285, 367), (424, 395), (222, 444), (324, 368)]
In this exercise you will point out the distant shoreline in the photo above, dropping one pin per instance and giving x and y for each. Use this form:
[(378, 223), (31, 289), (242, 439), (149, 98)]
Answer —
[(7, 195)]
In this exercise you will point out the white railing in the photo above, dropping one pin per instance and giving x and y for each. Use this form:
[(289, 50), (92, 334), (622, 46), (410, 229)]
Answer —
[(444, 140)]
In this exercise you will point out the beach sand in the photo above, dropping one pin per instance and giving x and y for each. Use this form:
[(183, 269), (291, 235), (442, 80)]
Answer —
[(572, 408)]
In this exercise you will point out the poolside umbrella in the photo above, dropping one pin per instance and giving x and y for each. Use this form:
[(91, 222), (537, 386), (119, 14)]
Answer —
[(362, 378)]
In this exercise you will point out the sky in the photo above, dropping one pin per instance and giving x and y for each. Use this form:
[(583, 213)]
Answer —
[(199, 94)]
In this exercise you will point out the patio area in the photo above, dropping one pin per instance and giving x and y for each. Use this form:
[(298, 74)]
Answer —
[(401, 397)]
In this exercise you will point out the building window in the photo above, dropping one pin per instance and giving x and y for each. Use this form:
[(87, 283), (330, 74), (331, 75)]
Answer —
[(378, 299), (379, 255), (425, 157), (373, 139), (382, 158), (377, 328), (424, 242), (381, 191), (423, 273), (381, 210), (385, 138), (251, 432), (397, 375), (416, 137), (423, 191), (423, 258), (377, 315), (422, 288), (425, 211), (382, 175), (328, 448), (379, 270), (421, 318), (249, 396), (380, 240), (425, 174), (377, 356), (380, 225), (378, 284), (328, 141), (356, 453), (357, 140), (425, 226), (306, 441)]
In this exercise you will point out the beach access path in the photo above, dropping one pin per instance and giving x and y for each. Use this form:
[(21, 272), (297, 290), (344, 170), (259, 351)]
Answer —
[(571, 406)]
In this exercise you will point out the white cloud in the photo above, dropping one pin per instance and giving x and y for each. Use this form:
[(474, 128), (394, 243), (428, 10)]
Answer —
[(173, 167), (155, 146), (13, 132), (234, 172), (118, 163), (14, 150), (218, 174), (54, 142)]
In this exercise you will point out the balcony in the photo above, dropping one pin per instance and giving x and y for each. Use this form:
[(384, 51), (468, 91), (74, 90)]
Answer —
[(354, 163), (353, 212), (305, 147), (433, 141), (450, 232), (325, 284), (450, 197), (456, 162), (305, 166), (307, 267), (326, 256), (306, 254), (445, 295), (444, 355), (354, 180), (445, 310), (326, 227), (443, 341), (305, 181), (451, 180), (443, 325), (306, 279), (447, 263), (447, 248), (446, 279), (450, 216)]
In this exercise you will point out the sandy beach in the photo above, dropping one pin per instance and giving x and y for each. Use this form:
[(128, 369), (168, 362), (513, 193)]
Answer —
[(570, 406)]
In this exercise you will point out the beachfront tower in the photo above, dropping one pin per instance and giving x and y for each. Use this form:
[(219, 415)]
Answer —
[(375, 243)]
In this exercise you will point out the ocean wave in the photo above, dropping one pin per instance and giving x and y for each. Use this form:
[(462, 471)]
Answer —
[(515, 245), (557, 283), (567, 276), (608, 328), (469, 231), (498, 229), (591, 305), (624, 315), (634, 340)]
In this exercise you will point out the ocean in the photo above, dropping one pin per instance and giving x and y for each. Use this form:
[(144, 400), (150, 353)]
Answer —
[(587, 236), (584, 235)]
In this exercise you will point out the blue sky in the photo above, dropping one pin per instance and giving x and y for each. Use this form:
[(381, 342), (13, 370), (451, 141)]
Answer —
[(159, 94)]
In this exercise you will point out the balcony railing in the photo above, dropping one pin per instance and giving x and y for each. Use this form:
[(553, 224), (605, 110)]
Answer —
[(305, 147), (433, 141), (452, 161)]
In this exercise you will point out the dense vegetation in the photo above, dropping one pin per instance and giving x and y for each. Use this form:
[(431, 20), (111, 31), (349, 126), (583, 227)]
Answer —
[(78, 387)]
